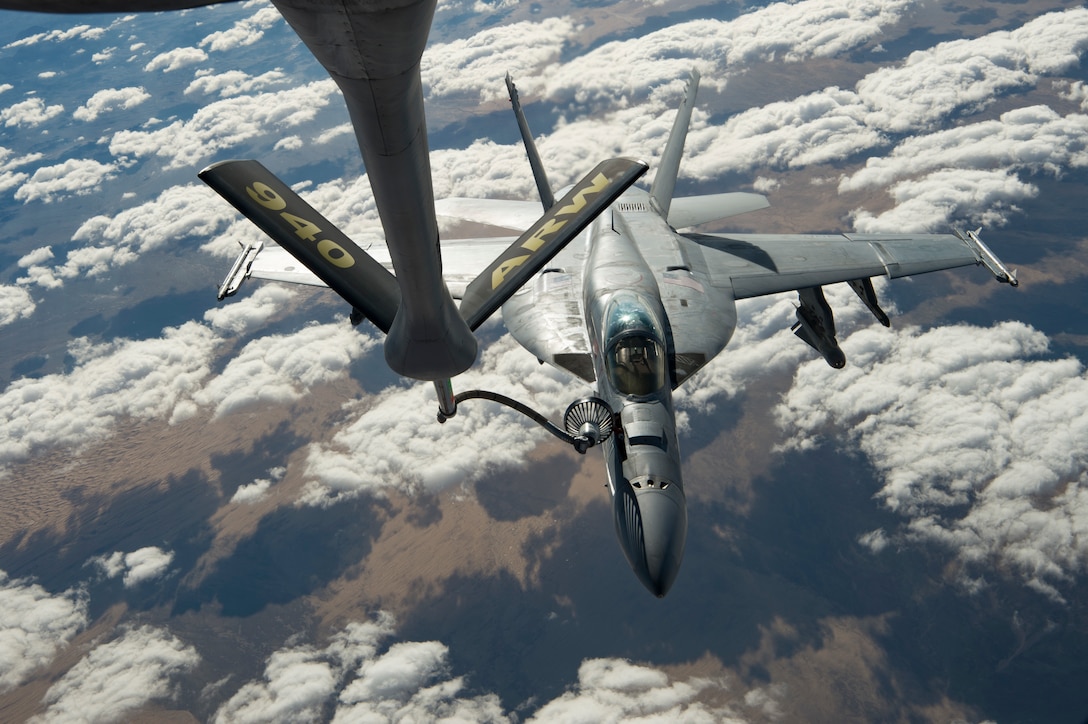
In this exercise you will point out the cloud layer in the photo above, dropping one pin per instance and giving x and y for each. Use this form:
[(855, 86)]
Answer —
[(35, 625), (170, 377), (145, 564), (118, 677), (979, 439)]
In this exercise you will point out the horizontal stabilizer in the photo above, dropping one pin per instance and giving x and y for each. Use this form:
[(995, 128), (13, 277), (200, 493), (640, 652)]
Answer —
[(506, 213), (555, 229), (309, 237), (695, 210)]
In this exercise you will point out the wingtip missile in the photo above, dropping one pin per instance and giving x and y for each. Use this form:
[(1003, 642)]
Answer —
[(987, 257), (239, 271)]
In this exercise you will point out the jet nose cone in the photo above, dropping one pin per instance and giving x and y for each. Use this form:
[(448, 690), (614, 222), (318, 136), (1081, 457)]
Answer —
[(664, 520)]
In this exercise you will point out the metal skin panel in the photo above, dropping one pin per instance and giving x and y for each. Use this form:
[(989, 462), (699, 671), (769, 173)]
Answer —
[(701, 315), (546, 317)]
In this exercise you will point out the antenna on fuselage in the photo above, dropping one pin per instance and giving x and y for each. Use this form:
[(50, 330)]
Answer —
[(542, 186), (665, 181)]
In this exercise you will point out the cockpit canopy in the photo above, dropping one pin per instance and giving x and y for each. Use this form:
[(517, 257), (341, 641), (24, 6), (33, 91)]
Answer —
[(635, 359)]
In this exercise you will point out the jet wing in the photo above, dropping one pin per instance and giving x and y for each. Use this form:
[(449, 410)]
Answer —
[(758, 264), (462, 260)]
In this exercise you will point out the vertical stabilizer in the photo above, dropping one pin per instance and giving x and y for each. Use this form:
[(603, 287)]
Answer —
[(665, 181), (542, 185)]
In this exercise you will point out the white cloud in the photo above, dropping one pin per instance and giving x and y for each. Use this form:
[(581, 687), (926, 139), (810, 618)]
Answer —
[(115, 678), (143, 379), (396, 442), (967, 75), (1076, 91), (31, 112), (85, 32), (74, 177), (146, 564), (35, 625), (790, 32), (411, 681), (225, 124), (8, 161), (38, 256), (281, 368), (821, 127), (177, 213), (169, 377), (234, 82), (289, 143), (266, 301), (103, 55), (928, 88), (298, 681), (407, 682), (258, 489), (245, 32), (1034, 139), (110, 99), (175, 59), (786, 32), (477, 65), (9, 178), (15, 303), (979, 438), (616, 690), (950, 196), (141, 565)]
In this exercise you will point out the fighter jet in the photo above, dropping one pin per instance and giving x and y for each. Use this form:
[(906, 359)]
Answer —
[(633, 306)]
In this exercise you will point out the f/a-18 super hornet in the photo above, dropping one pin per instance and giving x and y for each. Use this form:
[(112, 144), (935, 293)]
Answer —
[(634, 306)]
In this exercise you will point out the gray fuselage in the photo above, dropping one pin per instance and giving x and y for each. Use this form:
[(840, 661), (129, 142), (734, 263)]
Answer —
[(633, 350)]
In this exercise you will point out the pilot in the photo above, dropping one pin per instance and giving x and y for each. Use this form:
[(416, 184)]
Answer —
[(634, 368)]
